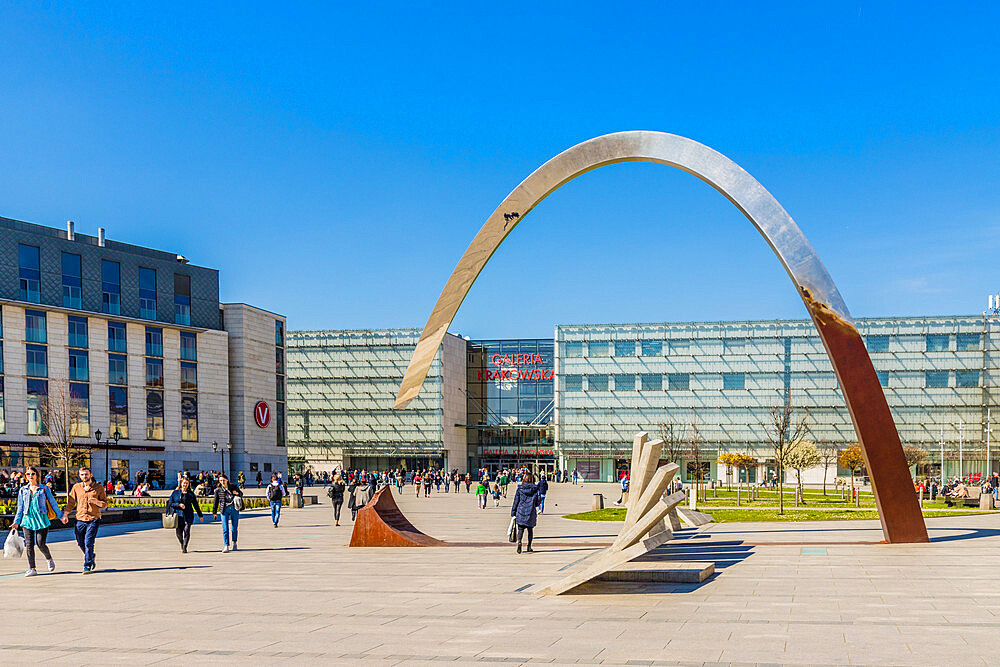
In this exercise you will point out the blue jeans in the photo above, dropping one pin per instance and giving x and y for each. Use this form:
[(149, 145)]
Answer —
[(86, 533), (275, 512), (541, 503), (230, 515)]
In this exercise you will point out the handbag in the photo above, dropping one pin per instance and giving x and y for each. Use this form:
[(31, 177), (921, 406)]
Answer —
[(512, 531), (170, 520), (52, 512), (238, 503), (13, 546)]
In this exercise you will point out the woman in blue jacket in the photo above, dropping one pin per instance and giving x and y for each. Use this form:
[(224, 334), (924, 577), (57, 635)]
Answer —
[(185, 504), (523, 509), (34, 502)]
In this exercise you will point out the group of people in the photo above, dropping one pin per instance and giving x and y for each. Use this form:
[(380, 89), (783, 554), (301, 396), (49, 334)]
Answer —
[(958, 487)]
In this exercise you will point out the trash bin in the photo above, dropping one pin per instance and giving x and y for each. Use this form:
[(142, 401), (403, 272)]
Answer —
[(598, 502), (295, 501)]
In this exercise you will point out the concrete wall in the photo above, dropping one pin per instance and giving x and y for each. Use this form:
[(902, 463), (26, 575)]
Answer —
[(454, 403)]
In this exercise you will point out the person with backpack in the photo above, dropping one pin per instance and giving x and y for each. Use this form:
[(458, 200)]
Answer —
[(275, 492), (184, 504), (36, 507), (336, 493), (481, 495), (229, 498)]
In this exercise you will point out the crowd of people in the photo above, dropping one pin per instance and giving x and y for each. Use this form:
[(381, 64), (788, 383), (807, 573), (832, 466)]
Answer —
[(959, 487)]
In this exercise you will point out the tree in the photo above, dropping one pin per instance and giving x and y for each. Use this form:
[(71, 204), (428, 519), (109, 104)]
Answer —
[(730, 460), (673, 442), (784, 432), (694, 451), (915, 456), (828, 454), (802, 456), (852, 459), (64, 418), (746, 462)]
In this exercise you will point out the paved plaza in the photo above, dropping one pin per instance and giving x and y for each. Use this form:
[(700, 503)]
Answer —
[(797, 593)]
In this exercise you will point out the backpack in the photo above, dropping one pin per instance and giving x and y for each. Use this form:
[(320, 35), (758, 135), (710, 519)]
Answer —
[(274, 493)]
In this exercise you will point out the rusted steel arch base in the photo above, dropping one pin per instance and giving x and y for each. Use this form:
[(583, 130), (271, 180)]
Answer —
[(381, 524), (873, 423)]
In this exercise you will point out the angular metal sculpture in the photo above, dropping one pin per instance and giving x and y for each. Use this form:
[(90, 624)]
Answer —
[(380, 523), (873, 423), (644, 529)]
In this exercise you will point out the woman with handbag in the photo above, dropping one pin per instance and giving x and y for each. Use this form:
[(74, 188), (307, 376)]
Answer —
[(362, 494), (36, 507), (184, 504), (230, 499)]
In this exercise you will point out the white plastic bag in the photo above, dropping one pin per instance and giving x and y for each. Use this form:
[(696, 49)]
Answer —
[(512, 531), (13, 547)]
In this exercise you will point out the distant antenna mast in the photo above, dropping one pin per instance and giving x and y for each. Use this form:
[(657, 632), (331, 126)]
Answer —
[(994, 304)]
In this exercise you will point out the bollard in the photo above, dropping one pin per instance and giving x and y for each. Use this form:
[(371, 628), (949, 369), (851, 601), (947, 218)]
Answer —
[(598, 502), (985, 501), (294, 501)]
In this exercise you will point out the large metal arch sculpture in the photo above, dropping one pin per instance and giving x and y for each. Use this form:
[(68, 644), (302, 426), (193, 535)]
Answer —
[(895, 498)]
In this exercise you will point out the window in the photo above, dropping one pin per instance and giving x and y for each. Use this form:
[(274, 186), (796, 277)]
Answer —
[(624, 382), (878, 343), (624, 348), (117, 369), (572, 382), (154, 417), (967, 342), (883, 378), (279, 388), (116, 337), (679, 346), (72, 281), (651, 382), (111, 287), (279, 333), (279, 424), (189, 417), (182, 301), (77, 331), (189, 376), (34, 326), (938, 342), (966, 378), (3, 421), (154, 372), (678, 381), (38, 392), (652, 348), (597, 382), (733, 346), (189, 346), (37, 361), (28, 273), (118, 407), (1, 361), (154, 342), (573, 349), (79, 397), (599, 348), (78, 367), (733, 381), (936, 378), (147, 293)]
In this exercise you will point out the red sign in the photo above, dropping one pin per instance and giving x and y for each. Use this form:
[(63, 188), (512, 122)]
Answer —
[(514, 451), (262, 414), (516, 359), (513, 375)]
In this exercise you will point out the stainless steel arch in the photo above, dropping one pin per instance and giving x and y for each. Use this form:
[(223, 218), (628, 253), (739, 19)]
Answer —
[(895, 497)]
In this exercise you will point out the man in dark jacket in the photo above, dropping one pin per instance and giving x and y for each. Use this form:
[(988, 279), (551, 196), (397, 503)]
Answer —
[(523, 509), (543, 488)]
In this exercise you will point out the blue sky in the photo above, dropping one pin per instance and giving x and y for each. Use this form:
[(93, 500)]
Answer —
[(334, 161)]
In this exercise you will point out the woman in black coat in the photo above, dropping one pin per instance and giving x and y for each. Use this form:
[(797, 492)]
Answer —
[(184, 504), (523, 509)]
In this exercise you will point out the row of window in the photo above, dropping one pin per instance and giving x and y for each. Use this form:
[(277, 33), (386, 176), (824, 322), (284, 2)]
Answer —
[(279, 380), (651, 348), (29, 275), (36, 331), (730, 381)]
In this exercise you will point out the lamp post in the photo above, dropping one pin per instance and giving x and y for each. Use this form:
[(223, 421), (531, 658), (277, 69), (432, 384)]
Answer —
[(97, 436), (215, 448), (229, 447)]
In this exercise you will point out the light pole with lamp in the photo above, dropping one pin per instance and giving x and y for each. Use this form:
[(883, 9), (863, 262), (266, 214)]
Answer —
[(229, 448), (215, 448), (97, 436)]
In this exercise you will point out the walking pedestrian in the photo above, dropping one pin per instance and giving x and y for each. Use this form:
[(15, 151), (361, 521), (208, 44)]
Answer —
[(576, 476), (185, 504), (468, 482), (362, 494), (226, 495), (523, 510), (336, 493), (481, 495), (260, 480), (543, 488), (36, 507), (87, 497), (428, 479), (275, 492)]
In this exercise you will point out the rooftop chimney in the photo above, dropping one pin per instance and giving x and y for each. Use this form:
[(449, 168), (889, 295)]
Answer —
[(100, 236), (69, 230)]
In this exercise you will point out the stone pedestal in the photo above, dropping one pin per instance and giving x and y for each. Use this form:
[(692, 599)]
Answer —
[(985, 501), (295, 501), (598, 502)]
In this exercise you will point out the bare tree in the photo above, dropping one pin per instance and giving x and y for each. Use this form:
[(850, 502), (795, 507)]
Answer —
[(828, 453), (694, 451), (63, 419), (785, 432), (673, 442)]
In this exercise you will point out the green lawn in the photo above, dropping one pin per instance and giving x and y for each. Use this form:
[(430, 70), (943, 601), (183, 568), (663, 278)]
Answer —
[(742, 515)]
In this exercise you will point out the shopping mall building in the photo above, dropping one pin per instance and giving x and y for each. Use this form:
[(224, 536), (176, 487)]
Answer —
[(133, 343), (574, 402)]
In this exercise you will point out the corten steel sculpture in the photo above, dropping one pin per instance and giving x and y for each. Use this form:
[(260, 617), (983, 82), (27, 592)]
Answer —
[(876, 431), (380, 524)]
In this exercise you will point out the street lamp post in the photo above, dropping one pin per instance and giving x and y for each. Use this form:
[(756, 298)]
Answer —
[(97, 437), (215, 448), (229, 448)]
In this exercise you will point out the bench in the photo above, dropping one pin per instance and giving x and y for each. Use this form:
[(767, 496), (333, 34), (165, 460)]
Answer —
[(971, 501)]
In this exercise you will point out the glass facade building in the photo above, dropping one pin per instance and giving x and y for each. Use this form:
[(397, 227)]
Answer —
[(510, 401)]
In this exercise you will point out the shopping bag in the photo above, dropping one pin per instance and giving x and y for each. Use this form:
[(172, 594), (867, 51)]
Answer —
[(512, 531), (13, 547)]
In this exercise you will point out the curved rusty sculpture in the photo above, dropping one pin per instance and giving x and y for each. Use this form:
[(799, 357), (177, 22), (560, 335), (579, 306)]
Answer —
[(380, 524), (876, 431)]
